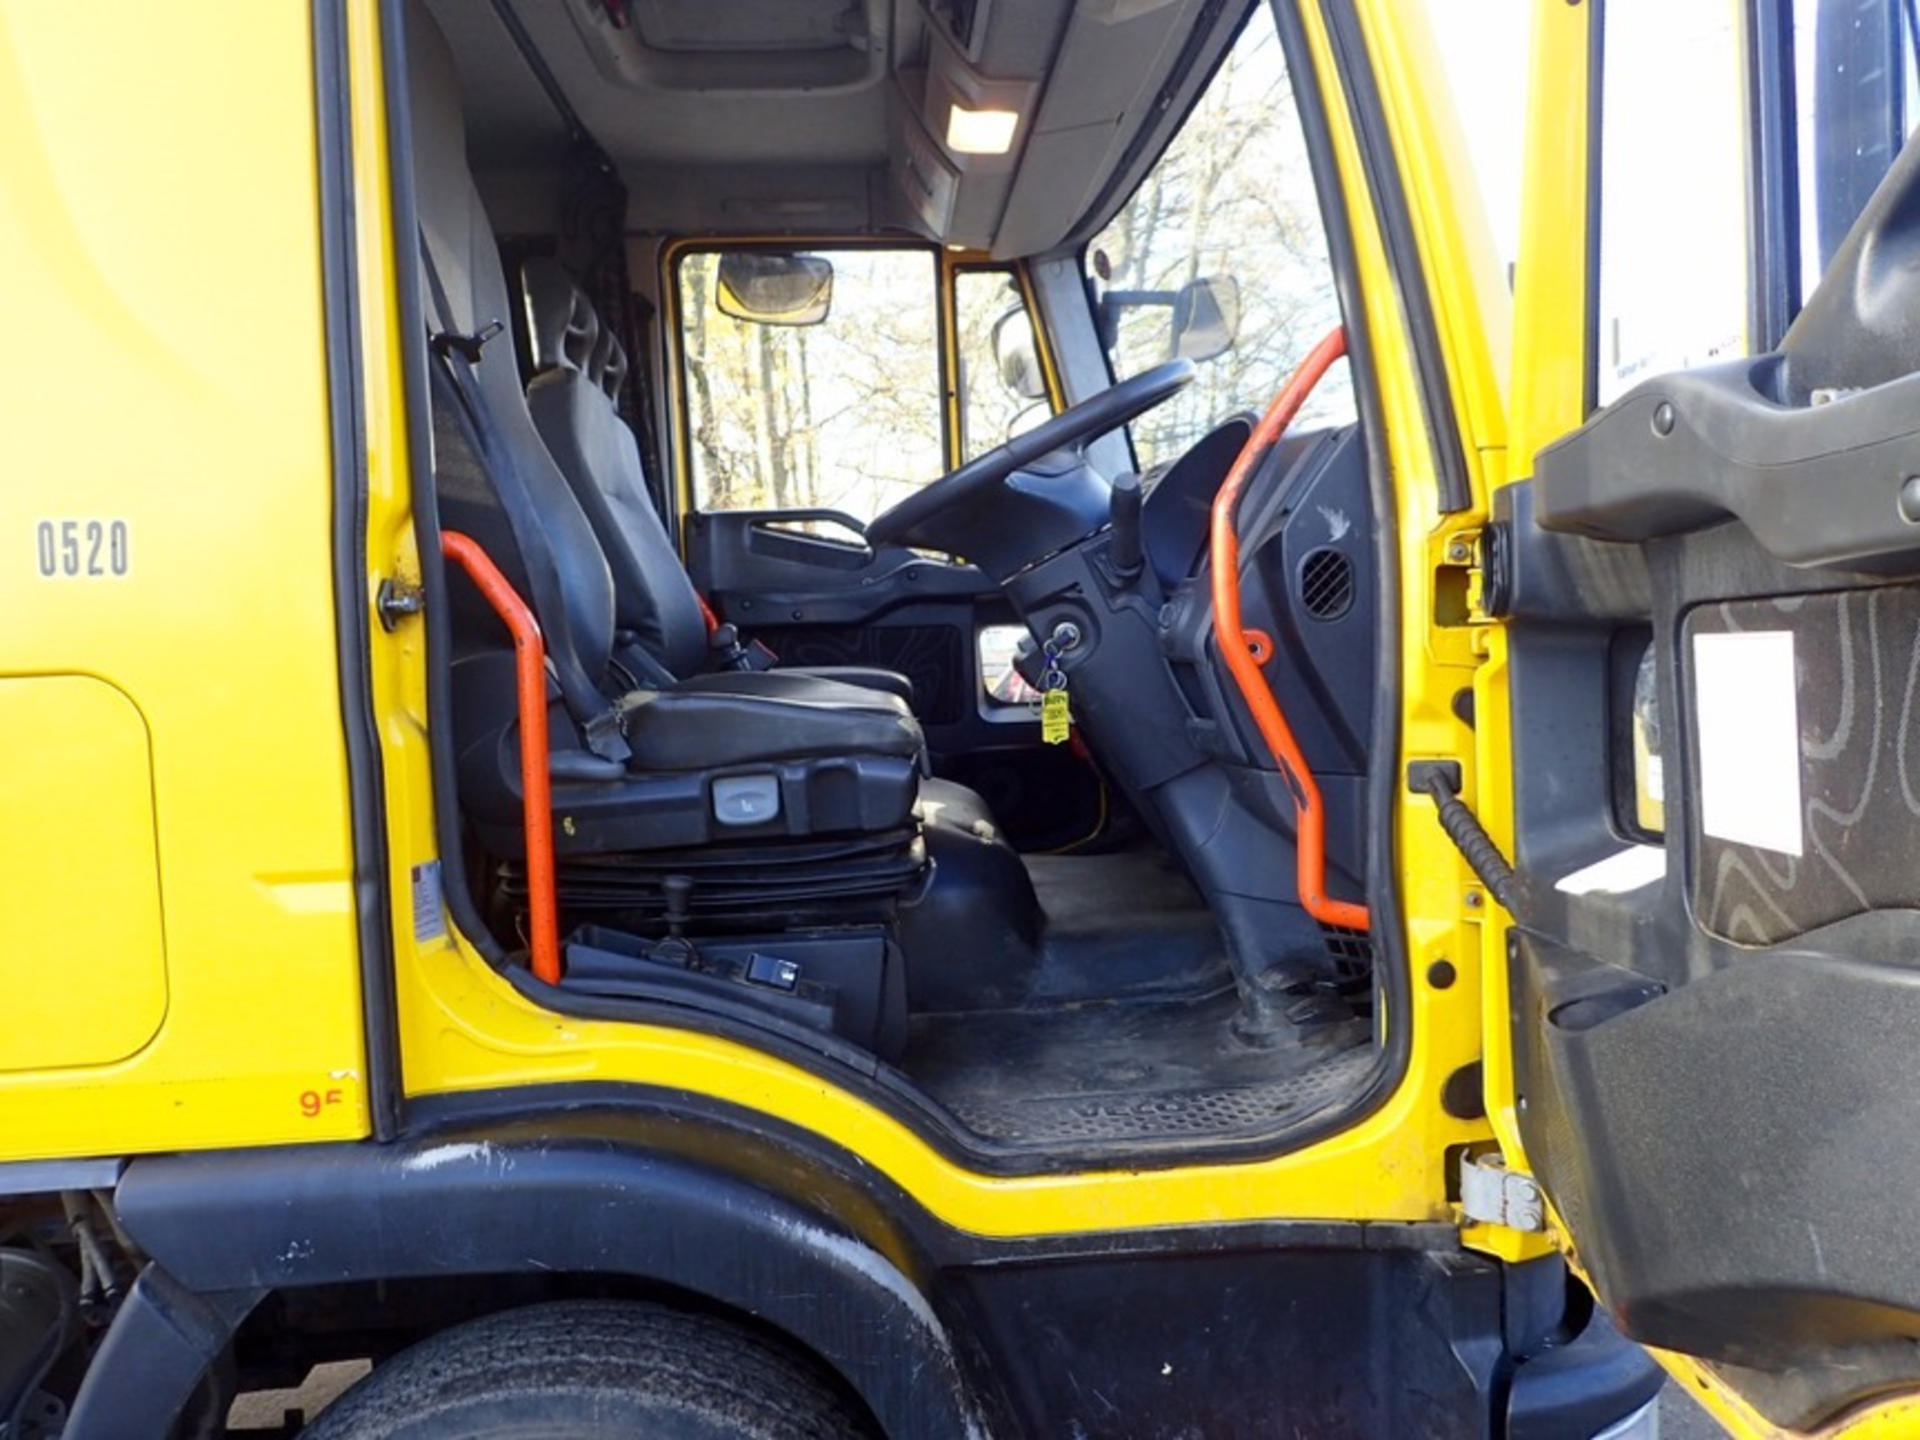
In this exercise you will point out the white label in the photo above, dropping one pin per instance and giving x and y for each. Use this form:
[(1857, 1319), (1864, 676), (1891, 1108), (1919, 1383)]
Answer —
[(1629, 869), (429, 911), (1749, 725)]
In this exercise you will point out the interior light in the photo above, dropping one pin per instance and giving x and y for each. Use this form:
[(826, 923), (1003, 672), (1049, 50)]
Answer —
[(981, 132)]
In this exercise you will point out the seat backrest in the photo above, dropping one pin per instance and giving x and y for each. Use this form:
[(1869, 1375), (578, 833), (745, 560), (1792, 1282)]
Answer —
[(579, 366), (472, 284)]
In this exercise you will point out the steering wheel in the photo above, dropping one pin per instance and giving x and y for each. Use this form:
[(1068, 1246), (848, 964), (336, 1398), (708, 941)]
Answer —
[(1070, 428)]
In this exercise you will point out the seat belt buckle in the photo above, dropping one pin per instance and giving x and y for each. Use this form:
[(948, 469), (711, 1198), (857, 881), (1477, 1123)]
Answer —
[(723, 644)]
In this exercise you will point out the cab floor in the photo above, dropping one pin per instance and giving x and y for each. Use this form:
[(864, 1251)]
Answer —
[(1099, 1072), (1125, 1037)]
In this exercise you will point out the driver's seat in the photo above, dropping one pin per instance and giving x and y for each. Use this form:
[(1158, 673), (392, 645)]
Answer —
[(579, 366)]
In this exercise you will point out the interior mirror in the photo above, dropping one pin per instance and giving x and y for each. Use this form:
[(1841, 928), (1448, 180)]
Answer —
[(1206, 317), (1203, 316), (767, 287), (1018, 355)]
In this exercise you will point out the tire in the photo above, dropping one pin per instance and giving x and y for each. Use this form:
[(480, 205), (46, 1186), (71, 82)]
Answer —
[(594, 1370)]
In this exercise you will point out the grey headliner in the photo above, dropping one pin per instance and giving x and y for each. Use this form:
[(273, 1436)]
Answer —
[(756, 150)]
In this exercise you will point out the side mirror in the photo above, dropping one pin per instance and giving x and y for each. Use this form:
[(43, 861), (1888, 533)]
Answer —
[(1203, 316), (766, 287), (1206, 318), (1018, 355)]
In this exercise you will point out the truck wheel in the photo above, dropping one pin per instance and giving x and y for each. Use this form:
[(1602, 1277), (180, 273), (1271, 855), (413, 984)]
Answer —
[(594, 1371)]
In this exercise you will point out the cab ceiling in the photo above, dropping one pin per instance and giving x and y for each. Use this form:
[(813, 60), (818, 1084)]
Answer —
[(830, 116)]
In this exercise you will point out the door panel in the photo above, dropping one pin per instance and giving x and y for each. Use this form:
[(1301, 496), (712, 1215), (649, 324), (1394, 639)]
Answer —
[(1711, 1066), (1714, 1026)]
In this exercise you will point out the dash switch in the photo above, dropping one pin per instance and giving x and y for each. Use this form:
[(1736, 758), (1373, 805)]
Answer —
[(772, 972)]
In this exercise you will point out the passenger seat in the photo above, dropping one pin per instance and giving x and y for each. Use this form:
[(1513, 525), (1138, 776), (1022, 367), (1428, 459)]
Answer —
[(757, 767), (579, 366)]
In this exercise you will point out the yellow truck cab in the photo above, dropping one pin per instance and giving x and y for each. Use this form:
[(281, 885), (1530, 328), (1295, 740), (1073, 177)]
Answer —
[(940, 718)]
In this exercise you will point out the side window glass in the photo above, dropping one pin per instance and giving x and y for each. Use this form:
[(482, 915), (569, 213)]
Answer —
[(1673, 233), (1221, 255), (812, 381), (1003, 389), (1854, 87)]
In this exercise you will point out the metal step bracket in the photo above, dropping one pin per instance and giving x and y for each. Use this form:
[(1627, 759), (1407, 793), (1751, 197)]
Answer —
[(1491, 1194)]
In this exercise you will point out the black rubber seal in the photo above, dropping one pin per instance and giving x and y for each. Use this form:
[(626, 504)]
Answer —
[(461, 909), (372, 900), (1403, 253)]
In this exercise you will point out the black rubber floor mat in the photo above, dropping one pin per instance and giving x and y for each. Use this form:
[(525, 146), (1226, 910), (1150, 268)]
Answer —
[(1122, 925), (1090, 1075)]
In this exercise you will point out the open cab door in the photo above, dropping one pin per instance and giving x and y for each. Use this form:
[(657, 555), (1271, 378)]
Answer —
[(1703, 686)]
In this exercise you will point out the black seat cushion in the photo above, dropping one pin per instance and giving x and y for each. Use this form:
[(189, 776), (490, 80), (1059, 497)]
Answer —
[(739, 717), (867, 677), (841, 766)]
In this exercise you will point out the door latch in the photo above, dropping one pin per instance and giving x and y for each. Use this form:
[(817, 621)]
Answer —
[(396, 600)]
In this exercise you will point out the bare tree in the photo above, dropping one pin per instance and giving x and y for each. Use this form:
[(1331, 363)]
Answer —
[(860, 389), (1233, 196)]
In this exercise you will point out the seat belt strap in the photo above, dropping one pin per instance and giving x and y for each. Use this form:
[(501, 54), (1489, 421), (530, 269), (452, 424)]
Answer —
[(457, 355)]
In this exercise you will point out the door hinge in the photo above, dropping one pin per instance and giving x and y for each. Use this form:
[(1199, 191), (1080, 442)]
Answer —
[(1493, 597), (396, 600), (1491, 1194), (1486, 556)]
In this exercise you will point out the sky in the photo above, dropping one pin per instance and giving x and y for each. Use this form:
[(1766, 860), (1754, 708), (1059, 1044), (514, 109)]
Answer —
[(1483, 44)]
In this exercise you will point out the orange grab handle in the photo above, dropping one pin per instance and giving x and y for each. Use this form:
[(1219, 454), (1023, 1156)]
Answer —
[(1236, 646), (530, 676)]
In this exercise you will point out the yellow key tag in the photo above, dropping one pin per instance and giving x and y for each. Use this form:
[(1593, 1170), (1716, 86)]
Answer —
[(1056, 720)]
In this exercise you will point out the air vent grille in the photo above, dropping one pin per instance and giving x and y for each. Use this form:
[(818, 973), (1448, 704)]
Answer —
[(1326, 584), (1351, 951)]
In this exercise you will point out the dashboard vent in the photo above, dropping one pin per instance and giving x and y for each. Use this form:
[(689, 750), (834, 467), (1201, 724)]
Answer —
[(1326, 584)]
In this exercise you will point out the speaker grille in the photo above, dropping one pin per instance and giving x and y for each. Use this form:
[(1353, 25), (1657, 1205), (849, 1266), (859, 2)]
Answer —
[(1326, 584)]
